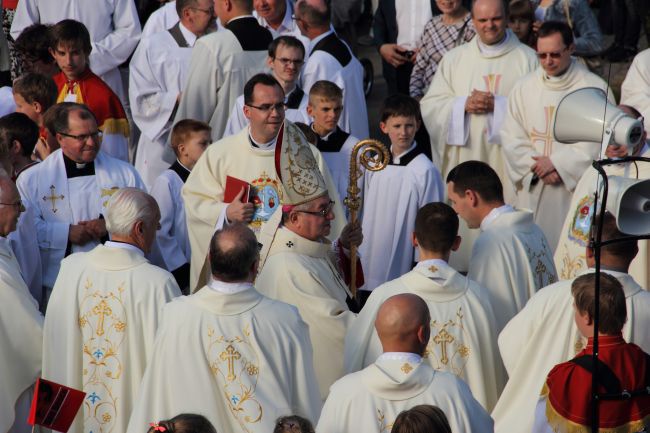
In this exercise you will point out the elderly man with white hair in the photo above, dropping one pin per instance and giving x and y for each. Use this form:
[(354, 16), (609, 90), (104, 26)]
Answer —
[(103, 313)]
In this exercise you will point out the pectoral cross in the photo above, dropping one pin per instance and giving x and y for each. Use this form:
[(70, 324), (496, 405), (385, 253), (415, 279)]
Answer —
[(545, 137), (102, 310), (230, 355), (443, 338), (53, 198), (492, 82)]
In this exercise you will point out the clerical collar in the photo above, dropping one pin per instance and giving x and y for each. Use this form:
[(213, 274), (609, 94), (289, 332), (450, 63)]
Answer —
[(124, 246), (75, 169), (396, 159), (494, 214), (190, 37), (317, 39), (413, 358), (182, 171), (615, 274), (557, 78), (229, 288), (264, 146), (432, 262), (496, 48)]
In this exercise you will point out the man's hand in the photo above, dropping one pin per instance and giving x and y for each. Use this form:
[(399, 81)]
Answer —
[(96, 227), (616, 151), (392, 53), (238, 211), (543, 166), (79, 234), (553, 178), (351, 235), (536, 26), (479, 102)]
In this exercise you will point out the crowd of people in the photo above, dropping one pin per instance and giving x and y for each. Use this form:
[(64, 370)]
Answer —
[(179, 238)]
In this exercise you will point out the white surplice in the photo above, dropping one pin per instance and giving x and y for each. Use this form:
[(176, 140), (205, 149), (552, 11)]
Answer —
[(114, 29), (21, 338), (100, 327), (463, 328), (370, 400), (157, 75), (24, 242), (528, 131), (338, 161), (58, 202), (635, 90), (237, 357), (543, 335), (304, 273), (512, 259), (161, 19)]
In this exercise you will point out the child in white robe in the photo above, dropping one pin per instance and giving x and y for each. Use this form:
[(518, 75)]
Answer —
[(189, 139)]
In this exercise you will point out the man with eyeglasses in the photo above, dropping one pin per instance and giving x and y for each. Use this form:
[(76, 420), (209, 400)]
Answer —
[(68, 191), (247, 156), (222, 63), (544, 171), (285, 60), (157, 76)]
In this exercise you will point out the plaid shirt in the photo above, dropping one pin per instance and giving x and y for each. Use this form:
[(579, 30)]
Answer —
[(436, 40)]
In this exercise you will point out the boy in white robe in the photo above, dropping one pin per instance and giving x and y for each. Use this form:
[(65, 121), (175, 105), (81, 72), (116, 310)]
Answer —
[(511, 256), (189, 139), (393, 196), (399, 379), (463, 328)]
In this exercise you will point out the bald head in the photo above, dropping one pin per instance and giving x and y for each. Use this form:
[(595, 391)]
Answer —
[(402, 324), (234, 253)]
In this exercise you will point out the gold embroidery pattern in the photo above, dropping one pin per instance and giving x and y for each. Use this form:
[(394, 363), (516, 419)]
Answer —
[(542, 268), (235, 364), (102, 320), (580, 344), (571, 265), (302, 166), (108, 193), (53, 198), (447, 350), (581, 221), (433, 269), (384, 426), (266, 195), (406, 368), (545, 137)]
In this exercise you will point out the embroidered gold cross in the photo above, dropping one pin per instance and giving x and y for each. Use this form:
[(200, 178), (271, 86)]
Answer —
[(230, 355), (102, 310), (53, 198), (546, 136), (443, 338), (406, 368)]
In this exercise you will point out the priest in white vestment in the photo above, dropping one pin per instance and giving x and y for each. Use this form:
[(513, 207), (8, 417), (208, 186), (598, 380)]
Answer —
[(157, 74), (229, 353), (463, 328), (103, 314), (247, 156), (221, 64), (114, 29), (399, 379), (570, 257), (21, 338), (68, 191), (635, 90), (511, 256), (163, 18), (544, 171), (544, 333), (464, 108)]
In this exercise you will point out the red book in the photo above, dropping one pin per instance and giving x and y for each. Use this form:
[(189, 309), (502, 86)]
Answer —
[(54, 406), (233, 187)]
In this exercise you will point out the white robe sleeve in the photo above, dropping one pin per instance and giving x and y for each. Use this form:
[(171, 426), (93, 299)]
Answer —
[(516, 334), (458, 123), (518, 150), (171, 250), (237, 121), (26, 15), (635, 90)]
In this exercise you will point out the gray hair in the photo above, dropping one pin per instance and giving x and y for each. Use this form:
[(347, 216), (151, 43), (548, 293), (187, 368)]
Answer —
[(126, 207)]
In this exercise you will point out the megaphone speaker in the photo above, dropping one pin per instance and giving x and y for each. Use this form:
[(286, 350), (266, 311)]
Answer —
[(629, 201)]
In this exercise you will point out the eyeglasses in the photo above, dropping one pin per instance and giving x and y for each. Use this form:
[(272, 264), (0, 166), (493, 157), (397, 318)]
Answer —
[(97, 135), (19, 204), (295, 18), (555, 55), (208, 11), (287, 62), (266, 108), (323, 212)]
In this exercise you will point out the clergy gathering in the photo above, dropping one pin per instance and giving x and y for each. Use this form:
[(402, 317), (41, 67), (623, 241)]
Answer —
[(216, 217)]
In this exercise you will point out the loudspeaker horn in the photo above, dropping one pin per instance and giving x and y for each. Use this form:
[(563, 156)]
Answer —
[(629, 201)]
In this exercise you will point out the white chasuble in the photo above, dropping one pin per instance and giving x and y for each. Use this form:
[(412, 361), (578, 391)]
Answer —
[(304, 273), (528, 131), (392, 198), (58, 202), (99, 331), (240, 359), (570, 254), (635, 90), (512, 259), (463, 328), (543, 335), (157, 75), (203, 192), (370, 400), (21, 338)]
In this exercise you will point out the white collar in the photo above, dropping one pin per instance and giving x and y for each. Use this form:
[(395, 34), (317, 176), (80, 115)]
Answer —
[(318, 38), (124, 246), (322, 137), (494, 214), (615, 274), (413, 358), (190, 37), (496, 48), (285, 25), (228, 288), (432, 262), (264, 146), (397, 158)]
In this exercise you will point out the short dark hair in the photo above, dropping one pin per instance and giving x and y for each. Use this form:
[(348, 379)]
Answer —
[(49, 118), (264, 79), (479, 177), (62, 114), (612, 311), (424, 418), (549, 28), (19, 127), (35, 87), (522, 9), (289, 41), (33, 44), (314, 16), (293, 421), (184, 423), (626, 250), (400, 105), (436, 227), (183, 130), (72, 33), (234, 262)]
